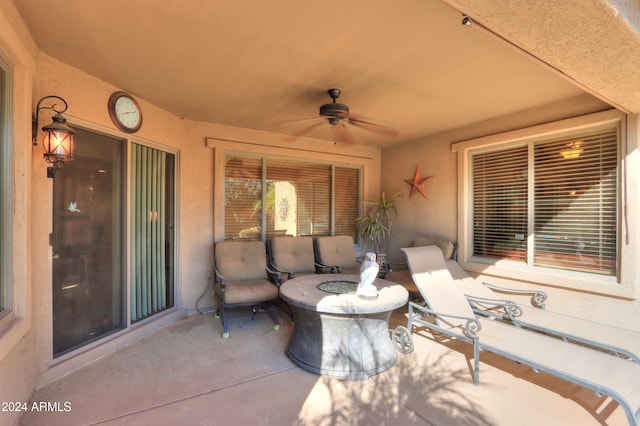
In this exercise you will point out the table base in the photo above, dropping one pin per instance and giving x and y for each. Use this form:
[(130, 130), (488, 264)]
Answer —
[(351, 346)]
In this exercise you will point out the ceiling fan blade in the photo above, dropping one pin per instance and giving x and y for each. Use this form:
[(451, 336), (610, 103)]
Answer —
[(386, 130), (318, 119), (296, 126), (315, 123), (338, 117), (342, 134)]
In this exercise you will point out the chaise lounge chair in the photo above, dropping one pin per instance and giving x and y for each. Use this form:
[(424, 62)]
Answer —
[(453, 316), (486, 301)]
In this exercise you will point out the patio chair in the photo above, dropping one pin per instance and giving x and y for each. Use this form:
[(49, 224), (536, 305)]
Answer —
[(337, 253), (241, 281), (486, 300), (453, 316), (293, 256)]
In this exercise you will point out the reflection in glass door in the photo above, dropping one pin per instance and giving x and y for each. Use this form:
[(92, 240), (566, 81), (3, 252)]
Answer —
[(87, 242)]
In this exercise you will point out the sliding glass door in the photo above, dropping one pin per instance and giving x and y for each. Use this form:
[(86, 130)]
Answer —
[(90, 289), (87, 243)]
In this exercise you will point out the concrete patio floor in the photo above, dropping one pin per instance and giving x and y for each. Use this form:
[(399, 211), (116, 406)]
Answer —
[(186, 374)]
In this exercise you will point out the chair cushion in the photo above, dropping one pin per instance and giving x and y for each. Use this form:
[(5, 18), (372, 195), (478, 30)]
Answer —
[(337, 251), (293, 254), (446, 246), (249, 291), (241, 260)]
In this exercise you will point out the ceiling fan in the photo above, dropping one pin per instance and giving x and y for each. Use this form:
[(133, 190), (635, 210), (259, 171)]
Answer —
[(339, 118)]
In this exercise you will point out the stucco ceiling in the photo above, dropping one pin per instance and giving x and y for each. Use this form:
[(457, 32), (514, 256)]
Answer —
[(264, 65)]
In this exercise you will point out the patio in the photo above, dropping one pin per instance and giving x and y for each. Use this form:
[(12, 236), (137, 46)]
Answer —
[(186, 373)]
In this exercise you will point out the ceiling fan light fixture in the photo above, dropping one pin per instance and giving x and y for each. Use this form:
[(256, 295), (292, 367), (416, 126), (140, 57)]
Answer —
[(334, 111)]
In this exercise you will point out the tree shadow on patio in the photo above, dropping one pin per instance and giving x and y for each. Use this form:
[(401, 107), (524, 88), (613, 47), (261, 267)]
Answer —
[(418, 389), (600, 407), (423, 387)]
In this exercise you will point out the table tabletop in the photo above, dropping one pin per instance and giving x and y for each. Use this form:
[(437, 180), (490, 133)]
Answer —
[(303, 292)]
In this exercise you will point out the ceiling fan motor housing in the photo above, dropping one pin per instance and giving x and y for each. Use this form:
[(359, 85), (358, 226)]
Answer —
[(334, 112)]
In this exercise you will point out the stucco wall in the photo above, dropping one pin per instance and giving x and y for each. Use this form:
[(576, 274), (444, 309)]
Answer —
[(18, 356)]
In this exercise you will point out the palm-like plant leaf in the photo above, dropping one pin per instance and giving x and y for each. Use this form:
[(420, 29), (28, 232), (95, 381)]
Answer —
[(376, 225)]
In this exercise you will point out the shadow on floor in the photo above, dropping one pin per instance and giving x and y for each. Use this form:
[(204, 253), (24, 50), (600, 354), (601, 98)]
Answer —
[(186, 373)]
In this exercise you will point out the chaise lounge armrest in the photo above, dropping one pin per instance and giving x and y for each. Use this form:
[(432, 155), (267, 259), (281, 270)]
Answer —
[(471, 325), (538, 298), (509, 308)]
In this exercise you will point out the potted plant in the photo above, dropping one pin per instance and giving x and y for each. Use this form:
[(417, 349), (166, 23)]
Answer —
[(375, 226)]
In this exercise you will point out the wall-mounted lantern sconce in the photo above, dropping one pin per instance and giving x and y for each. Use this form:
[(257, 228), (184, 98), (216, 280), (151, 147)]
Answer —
[(58, 140)]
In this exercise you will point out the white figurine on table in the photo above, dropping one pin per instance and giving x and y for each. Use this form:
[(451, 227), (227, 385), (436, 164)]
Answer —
[(368, 274)]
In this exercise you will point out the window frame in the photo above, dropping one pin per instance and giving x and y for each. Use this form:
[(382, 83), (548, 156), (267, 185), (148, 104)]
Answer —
[(7, 312), (514, 270), (267, 159), (367, 158)]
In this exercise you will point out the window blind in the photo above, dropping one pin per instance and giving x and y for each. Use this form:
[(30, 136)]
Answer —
[(242, 198), (500, 203), (151, 218), (299, 198), (576, 203), (346, 182)]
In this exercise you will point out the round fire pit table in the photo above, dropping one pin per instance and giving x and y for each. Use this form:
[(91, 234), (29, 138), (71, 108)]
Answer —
[(338, 333)]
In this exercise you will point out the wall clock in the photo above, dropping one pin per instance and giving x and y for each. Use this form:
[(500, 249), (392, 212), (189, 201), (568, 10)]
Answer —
[(125, 112)]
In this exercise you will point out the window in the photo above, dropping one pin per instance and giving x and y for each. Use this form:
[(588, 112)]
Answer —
[(500, 203), (5, 195), (265, 197), (243, 198), (346, 188), (298, 198), (550, 203)]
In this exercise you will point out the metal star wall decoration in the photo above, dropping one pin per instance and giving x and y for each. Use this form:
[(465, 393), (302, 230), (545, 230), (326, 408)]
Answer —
[(417, 184)]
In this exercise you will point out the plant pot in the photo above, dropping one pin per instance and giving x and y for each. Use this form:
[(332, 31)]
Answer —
[(381, 259)]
